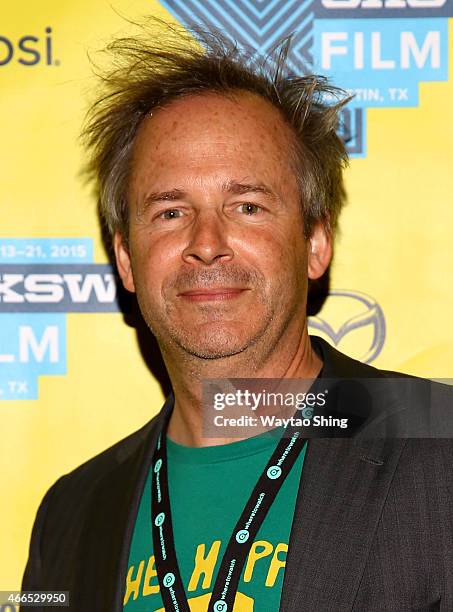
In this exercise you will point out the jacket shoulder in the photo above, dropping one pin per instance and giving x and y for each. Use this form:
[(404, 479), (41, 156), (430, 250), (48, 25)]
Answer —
[(72, 503)]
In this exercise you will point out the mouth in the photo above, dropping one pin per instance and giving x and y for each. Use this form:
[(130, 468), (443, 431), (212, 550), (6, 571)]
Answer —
[(212, 295)]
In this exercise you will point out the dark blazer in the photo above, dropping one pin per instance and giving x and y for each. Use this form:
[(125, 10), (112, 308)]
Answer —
[(372, 529)]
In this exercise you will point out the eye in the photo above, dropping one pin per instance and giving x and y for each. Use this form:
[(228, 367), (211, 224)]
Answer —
[(171, 213), (249, 209)]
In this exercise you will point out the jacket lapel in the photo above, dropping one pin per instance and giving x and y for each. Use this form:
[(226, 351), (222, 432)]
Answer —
[(340, 500), (102, 575), (342, 493)]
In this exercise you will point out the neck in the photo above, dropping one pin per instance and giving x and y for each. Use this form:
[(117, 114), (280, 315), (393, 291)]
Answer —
[(293, 359)]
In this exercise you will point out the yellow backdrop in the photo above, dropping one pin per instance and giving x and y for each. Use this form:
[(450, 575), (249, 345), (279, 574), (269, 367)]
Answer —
[(395, 249)]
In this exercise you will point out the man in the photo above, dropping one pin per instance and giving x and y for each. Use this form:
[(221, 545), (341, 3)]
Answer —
[(221, 184)]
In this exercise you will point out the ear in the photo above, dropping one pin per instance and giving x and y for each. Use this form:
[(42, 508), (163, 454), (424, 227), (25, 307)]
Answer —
[(319, 251), (123, 261)]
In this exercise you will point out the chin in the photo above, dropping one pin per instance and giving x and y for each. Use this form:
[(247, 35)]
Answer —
[(215, 344)]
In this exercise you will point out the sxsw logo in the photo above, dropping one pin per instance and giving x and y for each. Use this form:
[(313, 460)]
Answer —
[(34, 299), (58, 288)]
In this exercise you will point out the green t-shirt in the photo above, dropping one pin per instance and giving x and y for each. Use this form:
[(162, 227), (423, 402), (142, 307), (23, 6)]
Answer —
[(209, 488)]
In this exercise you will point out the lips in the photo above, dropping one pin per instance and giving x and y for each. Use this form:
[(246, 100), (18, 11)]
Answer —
[(212, 294)]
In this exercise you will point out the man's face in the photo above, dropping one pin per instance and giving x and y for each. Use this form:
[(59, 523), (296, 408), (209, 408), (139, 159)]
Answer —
[(216, 250)]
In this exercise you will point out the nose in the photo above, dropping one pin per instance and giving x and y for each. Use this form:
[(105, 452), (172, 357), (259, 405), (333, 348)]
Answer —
[(208, 242)]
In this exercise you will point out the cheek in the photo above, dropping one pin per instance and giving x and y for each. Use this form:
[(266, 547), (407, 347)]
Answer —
[(275, 249), (153, 260)]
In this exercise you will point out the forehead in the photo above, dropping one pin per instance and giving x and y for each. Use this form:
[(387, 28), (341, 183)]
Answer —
[(210, 131), (210, 111)]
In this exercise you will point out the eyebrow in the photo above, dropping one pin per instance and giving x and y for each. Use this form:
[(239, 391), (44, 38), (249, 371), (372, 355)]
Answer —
[(241, 188), (234, 187), (173, 194)]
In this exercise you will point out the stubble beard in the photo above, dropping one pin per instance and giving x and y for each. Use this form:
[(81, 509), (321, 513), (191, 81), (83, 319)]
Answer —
[(209, 339), (218, 333), (241, 354)]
